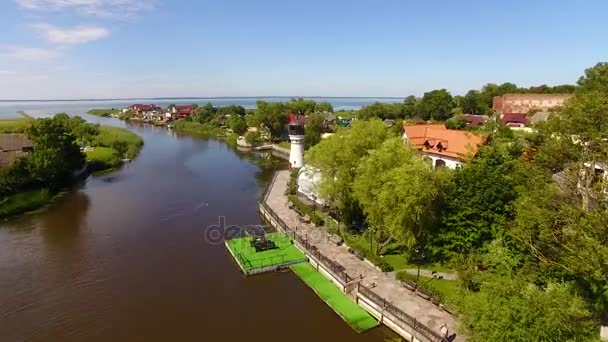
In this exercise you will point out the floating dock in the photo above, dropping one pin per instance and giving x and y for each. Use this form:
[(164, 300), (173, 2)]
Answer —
[(344, 306), (252, 262)]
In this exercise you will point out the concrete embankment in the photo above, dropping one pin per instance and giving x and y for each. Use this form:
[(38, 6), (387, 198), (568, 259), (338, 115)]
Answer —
[(412, 317)]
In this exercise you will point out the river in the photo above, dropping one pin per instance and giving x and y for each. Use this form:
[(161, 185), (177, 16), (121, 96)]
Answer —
[(124, 258)]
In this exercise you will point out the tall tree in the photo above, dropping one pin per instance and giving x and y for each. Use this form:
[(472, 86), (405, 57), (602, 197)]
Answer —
[(273, 116), (595, 78), (338, 156), (437, 105), (398, 191), (314, 129), (56, 154)]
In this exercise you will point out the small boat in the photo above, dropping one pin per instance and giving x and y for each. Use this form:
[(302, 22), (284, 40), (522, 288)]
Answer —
[(126, 160), (169, 126)]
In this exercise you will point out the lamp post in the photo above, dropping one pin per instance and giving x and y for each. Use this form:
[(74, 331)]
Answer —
[(419, 257), (372, 231)]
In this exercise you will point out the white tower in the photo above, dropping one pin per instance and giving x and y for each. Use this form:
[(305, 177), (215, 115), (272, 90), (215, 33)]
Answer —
[(296, 136)]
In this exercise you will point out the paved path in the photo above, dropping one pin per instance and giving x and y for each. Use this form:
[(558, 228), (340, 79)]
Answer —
[(385, 284), (429, 274)]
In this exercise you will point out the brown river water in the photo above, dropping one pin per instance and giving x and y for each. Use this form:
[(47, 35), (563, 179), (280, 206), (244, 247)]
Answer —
[(124, 258)]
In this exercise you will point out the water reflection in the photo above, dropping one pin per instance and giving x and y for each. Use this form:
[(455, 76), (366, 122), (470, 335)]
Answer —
[(61, 228)]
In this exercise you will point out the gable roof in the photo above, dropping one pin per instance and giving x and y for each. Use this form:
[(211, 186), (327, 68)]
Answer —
[(437, 139), (515, 118), (475, 120), (14, 142)]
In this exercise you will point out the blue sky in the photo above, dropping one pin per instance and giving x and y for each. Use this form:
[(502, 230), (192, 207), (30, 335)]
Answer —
[(67, 49)]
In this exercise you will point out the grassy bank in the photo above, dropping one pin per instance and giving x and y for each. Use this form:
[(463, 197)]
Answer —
[(111, 146), (104, 112), (196, 129), (447, 291), (208, 130), (23, 202), (17, 125)]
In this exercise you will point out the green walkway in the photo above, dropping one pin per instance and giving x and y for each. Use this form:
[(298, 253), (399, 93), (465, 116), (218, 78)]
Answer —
[(350, 312), (250, 260)]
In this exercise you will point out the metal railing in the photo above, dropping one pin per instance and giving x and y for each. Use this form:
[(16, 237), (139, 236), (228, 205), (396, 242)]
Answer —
[(402, 317), (327, 263)]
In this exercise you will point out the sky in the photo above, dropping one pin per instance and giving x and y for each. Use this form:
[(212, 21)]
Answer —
[(75, 49)]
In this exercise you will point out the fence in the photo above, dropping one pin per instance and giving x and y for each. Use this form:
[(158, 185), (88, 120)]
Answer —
[(401, 317), (329, 264)]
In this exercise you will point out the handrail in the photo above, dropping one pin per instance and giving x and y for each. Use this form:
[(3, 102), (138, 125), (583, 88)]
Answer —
[(399, 314)]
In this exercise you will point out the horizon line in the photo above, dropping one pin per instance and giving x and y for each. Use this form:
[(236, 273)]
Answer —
[(201, 98)]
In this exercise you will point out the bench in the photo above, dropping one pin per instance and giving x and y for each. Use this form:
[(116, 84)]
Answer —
[(409, 284), (424, 293), (356, 253), (336, 239)]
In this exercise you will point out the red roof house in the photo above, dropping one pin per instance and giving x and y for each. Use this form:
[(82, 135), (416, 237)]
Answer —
[(182, 111), (515, 120), (443, 146)]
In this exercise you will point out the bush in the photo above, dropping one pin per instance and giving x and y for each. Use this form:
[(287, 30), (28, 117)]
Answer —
[(382, 264), (303, 208), (292, 187), (115, 137), (252, 137), (103, 158)]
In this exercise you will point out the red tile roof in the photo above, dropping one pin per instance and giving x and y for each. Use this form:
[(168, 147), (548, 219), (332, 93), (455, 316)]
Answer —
[(184, 110), (437, 139)]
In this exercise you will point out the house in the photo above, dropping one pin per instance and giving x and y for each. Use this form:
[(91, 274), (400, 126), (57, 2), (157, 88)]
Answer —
[(12, 146), (145, 111), (515, 120), (475, 120), (444, 147), (181, 111), (523, 103)]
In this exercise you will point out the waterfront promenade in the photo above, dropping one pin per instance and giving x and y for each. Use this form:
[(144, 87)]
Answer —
[(381, 283)]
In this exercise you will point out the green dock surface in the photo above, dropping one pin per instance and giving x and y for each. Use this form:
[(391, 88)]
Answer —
[(250, 260), (350, 312)]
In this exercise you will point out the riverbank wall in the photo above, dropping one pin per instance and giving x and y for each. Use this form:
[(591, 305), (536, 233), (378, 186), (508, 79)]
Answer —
[(316, 247)]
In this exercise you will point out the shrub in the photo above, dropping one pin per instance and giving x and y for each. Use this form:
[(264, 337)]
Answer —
[(303, 208)]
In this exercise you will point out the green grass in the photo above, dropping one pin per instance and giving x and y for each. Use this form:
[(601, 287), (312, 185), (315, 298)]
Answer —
[(103, 158), (14, 125), (104, 112), (448, 291), (250, 260), (109, 135), (399, 262), (345, 307), (196, 129), (23, 202)]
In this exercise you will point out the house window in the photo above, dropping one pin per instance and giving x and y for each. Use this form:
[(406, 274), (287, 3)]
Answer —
[(439, 163)]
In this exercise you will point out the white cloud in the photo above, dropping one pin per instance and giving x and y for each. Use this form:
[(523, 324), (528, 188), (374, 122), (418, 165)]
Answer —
[(32, 54), (98, 8), (71, 36)]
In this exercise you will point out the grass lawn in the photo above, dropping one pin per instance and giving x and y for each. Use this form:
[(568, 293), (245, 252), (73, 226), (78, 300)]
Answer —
[(345, 307), (17, 125), (447, 290), (109, 135), (103, 158), (24, 201), (104, 112), (249, 259)]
